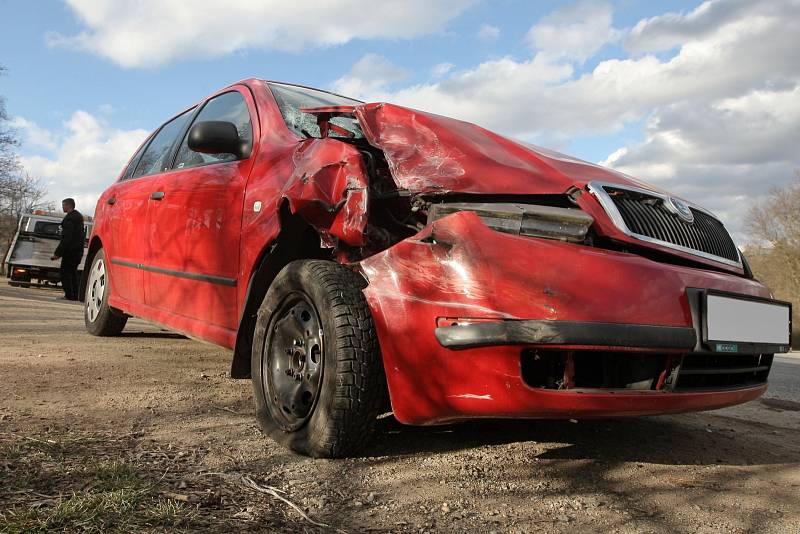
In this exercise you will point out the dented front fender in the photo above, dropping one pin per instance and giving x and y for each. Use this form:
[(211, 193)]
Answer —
[(329, 188)]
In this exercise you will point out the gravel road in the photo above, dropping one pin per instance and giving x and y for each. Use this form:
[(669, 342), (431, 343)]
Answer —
[(733, 470)]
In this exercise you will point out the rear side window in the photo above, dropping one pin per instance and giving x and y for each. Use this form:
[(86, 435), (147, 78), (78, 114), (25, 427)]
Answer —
[(229, 107), (156, 157), (47, 228), (134, 160)]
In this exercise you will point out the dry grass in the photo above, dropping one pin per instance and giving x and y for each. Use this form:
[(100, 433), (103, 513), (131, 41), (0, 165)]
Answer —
[(81, 484), (65, 482)]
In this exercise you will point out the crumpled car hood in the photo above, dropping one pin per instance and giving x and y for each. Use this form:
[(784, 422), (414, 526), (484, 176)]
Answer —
[(429, 153), (426, 154)]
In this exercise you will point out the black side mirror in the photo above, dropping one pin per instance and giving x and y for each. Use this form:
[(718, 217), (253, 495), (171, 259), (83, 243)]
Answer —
[(217, 137)]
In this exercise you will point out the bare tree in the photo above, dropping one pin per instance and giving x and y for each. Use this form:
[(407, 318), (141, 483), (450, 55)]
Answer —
[(19, 192), (8, 141), (774, 252)]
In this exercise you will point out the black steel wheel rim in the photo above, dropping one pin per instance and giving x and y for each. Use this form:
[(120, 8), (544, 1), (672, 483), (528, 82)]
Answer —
[(294, 361)]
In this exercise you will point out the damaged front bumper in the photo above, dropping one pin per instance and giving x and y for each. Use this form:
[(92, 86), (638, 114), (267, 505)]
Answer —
[(477, 323)]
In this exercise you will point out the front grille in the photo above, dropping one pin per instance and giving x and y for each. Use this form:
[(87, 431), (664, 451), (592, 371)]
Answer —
[(645, 215), (720, 371), (564, 370)]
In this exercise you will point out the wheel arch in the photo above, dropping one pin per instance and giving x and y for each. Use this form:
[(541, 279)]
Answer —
[(297, 240)]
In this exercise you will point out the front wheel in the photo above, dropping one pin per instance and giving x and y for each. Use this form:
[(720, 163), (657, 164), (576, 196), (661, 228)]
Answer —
[(316, 367), (100, 318)]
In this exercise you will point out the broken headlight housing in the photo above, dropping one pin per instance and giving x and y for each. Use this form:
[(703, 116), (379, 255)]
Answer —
[(550, 222)]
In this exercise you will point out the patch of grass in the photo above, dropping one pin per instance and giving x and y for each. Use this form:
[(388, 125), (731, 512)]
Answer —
[(104, 511), (110, 509), (10, 452), (170, 514), (114, 474), (77, 485), (40, 464), (88, 512)]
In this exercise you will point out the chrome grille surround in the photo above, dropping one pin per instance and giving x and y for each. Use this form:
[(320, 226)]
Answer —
[(599, 190)]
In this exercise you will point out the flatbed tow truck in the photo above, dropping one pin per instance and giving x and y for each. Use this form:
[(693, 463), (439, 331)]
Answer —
[(27, 261)]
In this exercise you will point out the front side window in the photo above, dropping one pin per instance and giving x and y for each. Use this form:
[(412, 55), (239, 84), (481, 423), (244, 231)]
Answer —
[(156, 158), (292, 98), (229, 107)]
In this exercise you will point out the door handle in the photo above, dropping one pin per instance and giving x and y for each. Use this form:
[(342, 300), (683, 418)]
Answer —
[(111, 201), (157, 195)]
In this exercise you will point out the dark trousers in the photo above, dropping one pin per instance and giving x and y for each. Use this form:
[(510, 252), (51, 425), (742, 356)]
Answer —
[(69, 274)]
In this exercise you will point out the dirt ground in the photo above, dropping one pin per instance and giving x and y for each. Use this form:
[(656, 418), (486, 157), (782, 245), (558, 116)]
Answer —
[(146, 432)]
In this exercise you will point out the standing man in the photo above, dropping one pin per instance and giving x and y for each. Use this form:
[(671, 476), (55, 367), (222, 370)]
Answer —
[(70, 248)]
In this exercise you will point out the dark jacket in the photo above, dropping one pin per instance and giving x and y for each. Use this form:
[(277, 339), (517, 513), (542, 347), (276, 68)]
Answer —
[(73, 235)]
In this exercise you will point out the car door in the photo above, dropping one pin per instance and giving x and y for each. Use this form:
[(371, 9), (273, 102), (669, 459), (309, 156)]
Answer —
[(127, 206), (124, 213), (196, 223)]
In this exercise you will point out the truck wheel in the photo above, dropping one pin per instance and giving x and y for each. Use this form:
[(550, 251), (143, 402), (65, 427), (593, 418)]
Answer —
[(100, 318), (317, 373)]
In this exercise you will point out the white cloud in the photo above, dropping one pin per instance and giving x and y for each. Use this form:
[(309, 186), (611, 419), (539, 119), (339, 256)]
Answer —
[(528, 97), (80, 162), (149, 33), (673, 29), (497, 94), (488, 32), (369, 76), (35, 136), (576, 31), (440, 69)]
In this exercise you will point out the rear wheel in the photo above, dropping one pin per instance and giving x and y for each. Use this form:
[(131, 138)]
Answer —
[(100, 318), (316, 367)]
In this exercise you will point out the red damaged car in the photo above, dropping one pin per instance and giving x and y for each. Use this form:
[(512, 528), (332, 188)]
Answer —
[(355, 254)]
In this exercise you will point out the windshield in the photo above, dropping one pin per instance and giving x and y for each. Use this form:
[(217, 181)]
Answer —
[(291, 99)]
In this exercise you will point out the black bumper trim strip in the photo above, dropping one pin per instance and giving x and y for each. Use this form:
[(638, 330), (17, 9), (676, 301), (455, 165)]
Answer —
[(533, 332), (180, 274)]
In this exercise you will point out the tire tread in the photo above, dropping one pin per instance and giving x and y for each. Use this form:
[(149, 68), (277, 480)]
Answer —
[(359, 381)]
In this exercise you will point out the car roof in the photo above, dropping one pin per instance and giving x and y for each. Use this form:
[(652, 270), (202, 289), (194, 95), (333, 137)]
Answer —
[(249, 82), (307, 87)]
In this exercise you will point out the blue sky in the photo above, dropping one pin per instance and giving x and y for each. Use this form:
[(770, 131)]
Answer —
[(46, 83), (598, 80)]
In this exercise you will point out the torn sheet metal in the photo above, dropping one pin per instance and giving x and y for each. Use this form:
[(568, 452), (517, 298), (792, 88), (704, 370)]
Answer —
[(328, 188)]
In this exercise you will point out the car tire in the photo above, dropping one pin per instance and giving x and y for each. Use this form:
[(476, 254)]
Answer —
[(100, 318), (317, 372)]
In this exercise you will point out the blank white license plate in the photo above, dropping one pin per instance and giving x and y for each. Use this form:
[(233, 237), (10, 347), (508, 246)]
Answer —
[(746, 321)]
